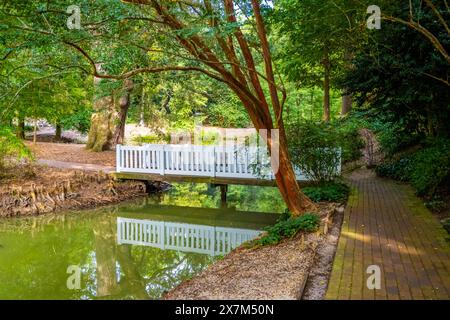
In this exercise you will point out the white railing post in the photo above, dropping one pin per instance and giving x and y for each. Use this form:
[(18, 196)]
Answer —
[(118, 158), (181, 236), (206, 161), (162, 159), (213, 241), (214, 161), (119, 231), (162, 235)]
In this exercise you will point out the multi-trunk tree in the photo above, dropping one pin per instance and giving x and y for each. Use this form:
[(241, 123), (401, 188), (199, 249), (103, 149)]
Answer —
[(225, 40), (230, 56), (222, 50)]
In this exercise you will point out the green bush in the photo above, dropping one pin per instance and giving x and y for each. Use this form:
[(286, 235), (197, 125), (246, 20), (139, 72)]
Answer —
[(79, 120), (209, 138), (436, 204), (314, 148), (318, 147), (11, 147), (151, 139), (308, 222), (431, 167), (427, 169), (350, 141), (393, 137), (398, 169), (285, 215), (446, 224), (334, 192)]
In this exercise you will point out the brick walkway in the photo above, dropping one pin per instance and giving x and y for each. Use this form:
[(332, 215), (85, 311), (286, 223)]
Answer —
[(386, 225)]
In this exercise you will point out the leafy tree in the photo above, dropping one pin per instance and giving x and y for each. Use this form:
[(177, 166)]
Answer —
[(11, 147), (225, 41), (401, 78), (316, 39)]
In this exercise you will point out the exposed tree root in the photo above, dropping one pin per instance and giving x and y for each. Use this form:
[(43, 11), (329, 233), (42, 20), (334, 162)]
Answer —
[(53, 190)]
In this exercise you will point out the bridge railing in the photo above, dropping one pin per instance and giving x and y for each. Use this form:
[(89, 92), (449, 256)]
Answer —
[(182, 236), (191, 160)]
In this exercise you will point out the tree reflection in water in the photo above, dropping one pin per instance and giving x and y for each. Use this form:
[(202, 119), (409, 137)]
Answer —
[(242, 198), (138, 272), (36, 252)]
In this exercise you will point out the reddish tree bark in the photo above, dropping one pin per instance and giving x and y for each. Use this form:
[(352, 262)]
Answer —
[(239, 74)]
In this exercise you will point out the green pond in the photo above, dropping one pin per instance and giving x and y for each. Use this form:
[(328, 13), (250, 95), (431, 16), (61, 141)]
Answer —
[(136, 250)]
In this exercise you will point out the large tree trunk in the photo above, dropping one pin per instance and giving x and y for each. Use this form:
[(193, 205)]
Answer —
[(35, 129), (346, 104), (242, 77), (166, 101), (326, 85), (124, 105), (286, 181), (20, 133), (105, 257), (58, 131), (102, 121), (119, 134)]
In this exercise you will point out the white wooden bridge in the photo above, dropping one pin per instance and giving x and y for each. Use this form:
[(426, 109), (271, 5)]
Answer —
[(184, 237), (210, 164)]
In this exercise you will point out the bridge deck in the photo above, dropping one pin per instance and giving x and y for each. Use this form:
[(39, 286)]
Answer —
[(202, 164), (200, 179)]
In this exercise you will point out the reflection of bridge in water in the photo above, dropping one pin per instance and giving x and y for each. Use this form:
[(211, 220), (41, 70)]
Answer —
[(185, 237)]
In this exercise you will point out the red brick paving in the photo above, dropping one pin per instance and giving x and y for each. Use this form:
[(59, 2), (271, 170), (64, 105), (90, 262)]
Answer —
[(386, 225)]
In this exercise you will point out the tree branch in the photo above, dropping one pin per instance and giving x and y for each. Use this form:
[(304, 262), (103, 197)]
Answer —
[(416, 26)]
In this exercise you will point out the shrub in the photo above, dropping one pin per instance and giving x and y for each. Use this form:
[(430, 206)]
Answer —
[(285, 215), (394, 137), (209, 138), (398, 169), (314, 148), (288, 228), (151, 139), (349, 139), (436, 204), (11, 147), (79, 120), (431, 167), (318, 147), (427, 169), (334, 192), (446, 224)]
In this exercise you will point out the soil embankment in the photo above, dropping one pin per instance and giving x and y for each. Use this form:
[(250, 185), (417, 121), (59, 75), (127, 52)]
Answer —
[(41, 189), (64, 177)]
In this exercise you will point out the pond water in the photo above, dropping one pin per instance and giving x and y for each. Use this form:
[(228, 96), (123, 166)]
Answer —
[(137, 250)]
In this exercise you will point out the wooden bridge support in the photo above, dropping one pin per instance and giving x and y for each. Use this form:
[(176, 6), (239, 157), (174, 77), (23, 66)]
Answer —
[(151, 187), (223, 194)]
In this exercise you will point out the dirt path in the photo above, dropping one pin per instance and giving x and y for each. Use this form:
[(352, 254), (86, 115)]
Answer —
[(386, 225), (75, 165), (72, 153), (64, 177)]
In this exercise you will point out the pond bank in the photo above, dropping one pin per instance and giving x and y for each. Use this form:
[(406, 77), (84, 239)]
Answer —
[(34, 190), (270, 272)]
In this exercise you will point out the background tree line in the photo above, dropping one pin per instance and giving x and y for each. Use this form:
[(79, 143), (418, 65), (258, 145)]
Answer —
[(280, 64)]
